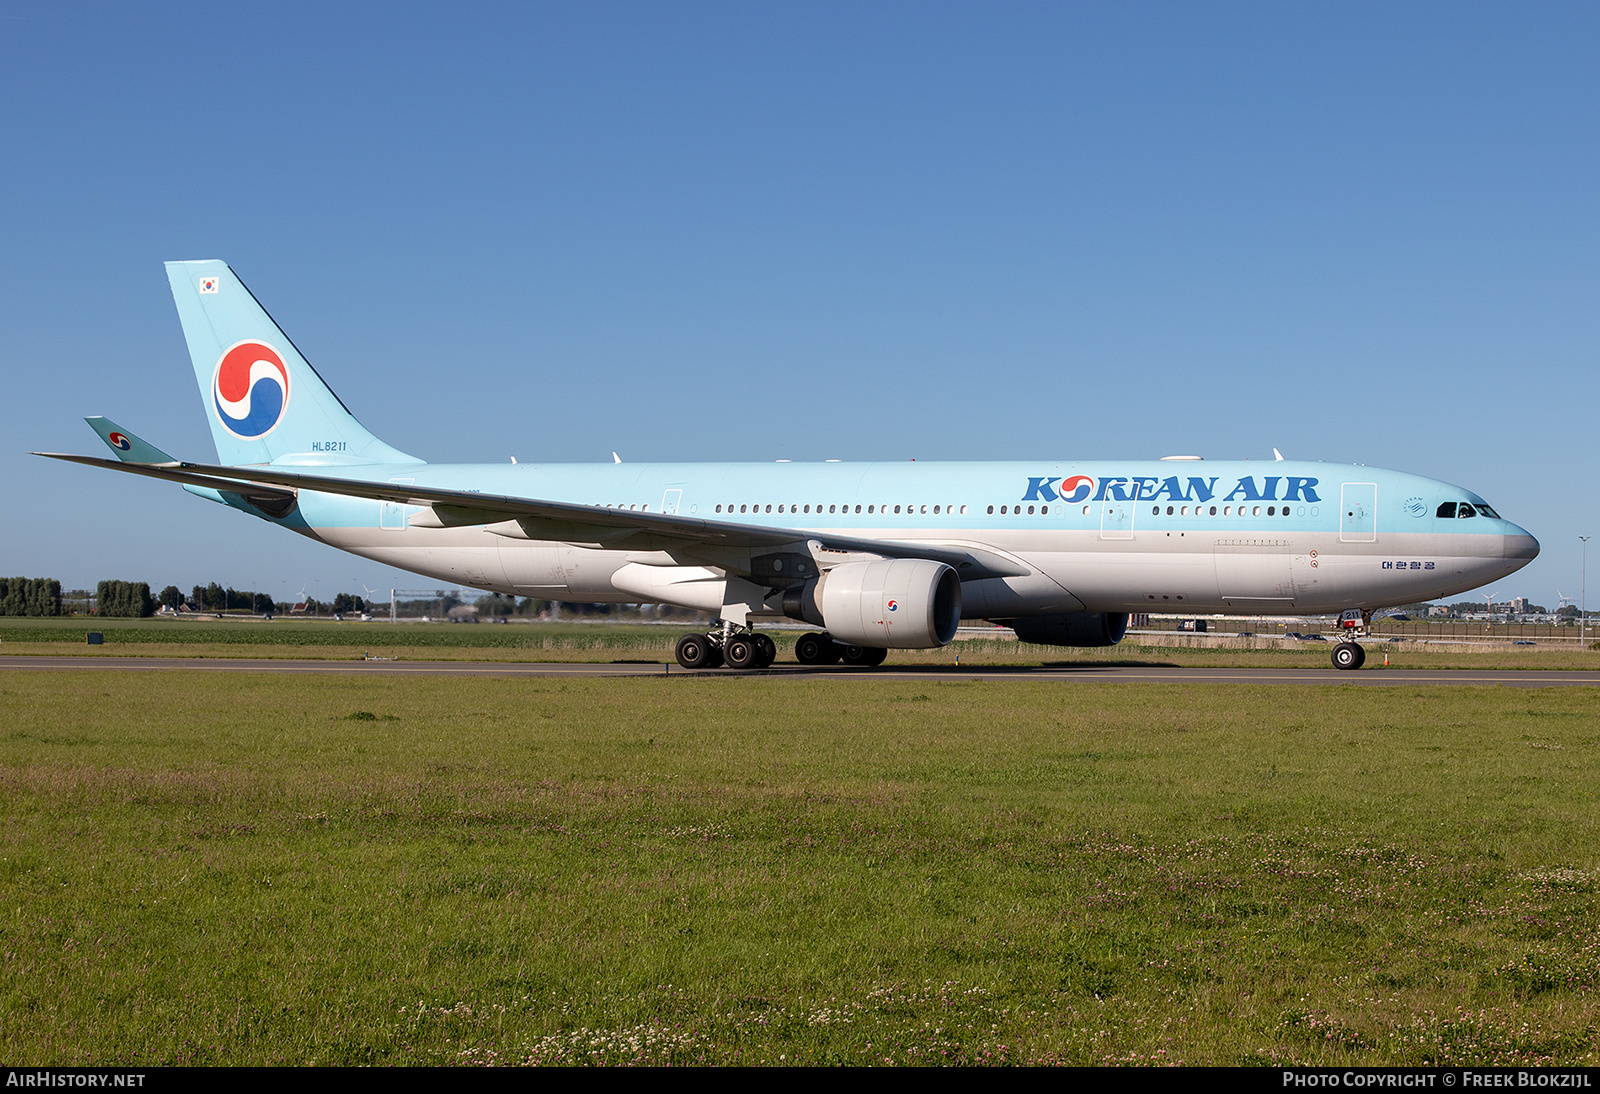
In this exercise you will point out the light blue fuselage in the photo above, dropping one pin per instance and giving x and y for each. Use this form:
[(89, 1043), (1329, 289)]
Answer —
[(1189, 535)]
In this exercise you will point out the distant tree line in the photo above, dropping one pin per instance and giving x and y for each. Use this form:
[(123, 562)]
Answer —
[(215, 598), (124, 599), (131, 599), (30, 596)]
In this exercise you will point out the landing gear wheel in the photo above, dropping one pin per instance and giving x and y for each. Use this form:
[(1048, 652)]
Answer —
[(742, 652), (694, 652), (768, 648), (812, 649), (1348, 655), (863, 656)]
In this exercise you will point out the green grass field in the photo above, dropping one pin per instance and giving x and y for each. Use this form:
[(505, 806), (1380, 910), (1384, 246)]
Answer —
[(242, 869)]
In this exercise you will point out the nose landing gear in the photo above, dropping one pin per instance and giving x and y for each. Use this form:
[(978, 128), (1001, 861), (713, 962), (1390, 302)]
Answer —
[(1348, 655), (1356, 623)]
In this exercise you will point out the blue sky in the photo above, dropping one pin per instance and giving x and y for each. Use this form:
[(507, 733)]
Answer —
[(1359, 233)]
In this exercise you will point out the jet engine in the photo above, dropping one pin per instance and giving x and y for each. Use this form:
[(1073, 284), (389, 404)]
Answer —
[(903, 603), (1071, 628)]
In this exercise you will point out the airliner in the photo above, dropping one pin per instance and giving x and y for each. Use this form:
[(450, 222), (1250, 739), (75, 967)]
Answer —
[(877, 556)]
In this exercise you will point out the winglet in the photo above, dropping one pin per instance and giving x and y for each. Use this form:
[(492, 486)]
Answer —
[(129, 449)]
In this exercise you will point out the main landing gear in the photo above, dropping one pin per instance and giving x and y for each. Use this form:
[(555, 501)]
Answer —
[(823, 649), (749, 650)]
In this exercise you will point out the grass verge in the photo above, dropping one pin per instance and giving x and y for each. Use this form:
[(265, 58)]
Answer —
[(247, 870)]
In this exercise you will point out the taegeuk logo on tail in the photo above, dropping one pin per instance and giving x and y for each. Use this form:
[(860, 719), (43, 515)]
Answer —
[(250, 389)]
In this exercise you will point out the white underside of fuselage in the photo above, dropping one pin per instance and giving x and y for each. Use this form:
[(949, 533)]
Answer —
[(1248, 573)]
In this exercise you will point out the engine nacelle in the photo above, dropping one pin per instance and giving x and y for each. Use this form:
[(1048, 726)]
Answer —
[(902, 603), (1072, 628)]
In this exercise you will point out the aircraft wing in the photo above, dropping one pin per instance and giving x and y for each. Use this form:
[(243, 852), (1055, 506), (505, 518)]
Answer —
[(567, 522)]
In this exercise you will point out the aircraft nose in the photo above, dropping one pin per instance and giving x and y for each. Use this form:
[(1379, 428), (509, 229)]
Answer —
[(1521, 546)]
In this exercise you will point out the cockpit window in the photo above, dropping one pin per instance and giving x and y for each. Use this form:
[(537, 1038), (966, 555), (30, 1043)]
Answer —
[(1490, 513), (1465, 510), (1448, 509)]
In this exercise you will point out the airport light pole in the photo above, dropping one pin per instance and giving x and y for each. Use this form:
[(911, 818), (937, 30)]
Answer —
[(1583, 611)]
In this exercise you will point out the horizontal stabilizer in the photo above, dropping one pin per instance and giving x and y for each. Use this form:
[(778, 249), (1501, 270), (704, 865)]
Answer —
[(129, 449), (273, 500)]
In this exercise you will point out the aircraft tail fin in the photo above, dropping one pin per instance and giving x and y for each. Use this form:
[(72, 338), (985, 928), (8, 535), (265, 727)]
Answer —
[(129, 449), (265, 402)]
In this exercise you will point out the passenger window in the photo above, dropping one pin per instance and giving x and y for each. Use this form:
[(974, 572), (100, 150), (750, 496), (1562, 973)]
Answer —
[(1448, 509), (991, 510)]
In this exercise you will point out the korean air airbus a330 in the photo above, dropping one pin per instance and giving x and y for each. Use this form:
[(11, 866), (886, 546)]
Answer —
[(877, 556)]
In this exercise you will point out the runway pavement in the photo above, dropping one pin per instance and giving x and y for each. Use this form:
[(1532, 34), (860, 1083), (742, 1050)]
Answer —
[(1061, 673)]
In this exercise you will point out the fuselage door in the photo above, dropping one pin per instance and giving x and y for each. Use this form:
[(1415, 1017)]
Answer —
[(1358, 512), (670, 500), (393, 514)]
